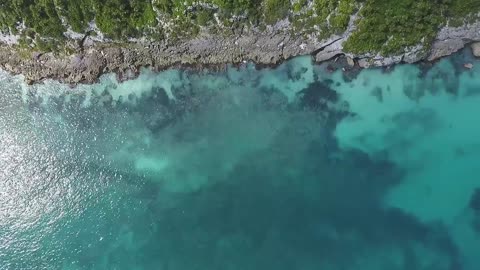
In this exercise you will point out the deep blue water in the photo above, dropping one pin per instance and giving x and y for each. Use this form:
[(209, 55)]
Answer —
[(296, 167)]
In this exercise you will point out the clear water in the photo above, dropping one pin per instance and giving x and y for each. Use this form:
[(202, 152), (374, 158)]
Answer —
[(286, 168)]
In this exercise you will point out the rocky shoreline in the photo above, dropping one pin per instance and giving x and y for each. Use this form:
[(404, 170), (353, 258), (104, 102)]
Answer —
[(92, 58)]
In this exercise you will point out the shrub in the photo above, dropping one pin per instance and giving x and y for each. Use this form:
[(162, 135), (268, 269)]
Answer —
[(275, 10), (389, 26)]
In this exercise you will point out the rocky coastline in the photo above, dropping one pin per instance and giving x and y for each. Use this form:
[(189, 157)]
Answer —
[(92, 57)]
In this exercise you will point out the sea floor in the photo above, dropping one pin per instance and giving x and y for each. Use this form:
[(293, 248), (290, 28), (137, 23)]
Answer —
[(296, 167)]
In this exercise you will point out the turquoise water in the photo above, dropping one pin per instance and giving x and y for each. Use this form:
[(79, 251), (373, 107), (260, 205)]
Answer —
[(295, 167)]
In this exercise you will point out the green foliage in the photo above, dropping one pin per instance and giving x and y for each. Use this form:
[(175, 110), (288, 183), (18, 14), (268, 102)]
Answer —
[(341, 17), (8, 16), (237, 6), (111, 17), (142, 14), (204, 16), (46, 45), (298, 5), (329, 16), (120, 19), (389, 26), (324, 8), (462, 8), (77, 13), (385, 26), (116, 18), (462, 11), (250, 8), (44, 19), (275, 10), (24, 41), (165, 6), (333, 15)]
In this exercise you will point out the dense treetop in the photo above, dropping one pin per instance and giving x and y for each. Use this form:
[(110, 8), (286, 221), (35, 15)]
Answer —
[(385, 26)]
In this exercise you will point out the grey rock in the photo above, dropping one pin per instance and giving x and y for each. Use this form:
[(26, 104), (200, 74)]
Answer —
[(330, 49), (387, 61), (350, 61), (476, 48), (272, 46), (444, 48), (414, 54), (364, 63), (452, 39)]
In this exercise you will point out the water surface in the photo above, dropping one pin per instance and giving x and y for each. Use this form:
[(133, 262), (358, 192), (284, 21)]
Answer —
[(288, 168)]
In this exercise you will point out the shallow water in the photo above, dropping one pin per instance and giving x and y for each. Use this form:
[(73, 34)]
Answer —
[(286, 168)]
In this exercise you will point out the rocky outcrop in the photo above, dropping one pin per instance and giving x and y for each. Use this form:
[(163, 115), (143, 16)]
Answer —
[(452, 39), (98, 58), (476, 49), (448, 41), (268, 47)]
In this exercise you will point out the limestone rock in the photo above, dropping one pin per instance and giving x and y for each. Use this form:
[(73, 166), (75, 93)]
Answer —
[(350, 61), (476, 48), (330, 50), (363, 63), (452, 39), (266, 47), (445, 48)]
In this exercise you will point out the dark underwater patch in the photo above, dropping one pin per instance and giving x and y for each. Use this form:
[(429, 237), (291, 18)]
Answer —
[(317, 96), (263, 213)]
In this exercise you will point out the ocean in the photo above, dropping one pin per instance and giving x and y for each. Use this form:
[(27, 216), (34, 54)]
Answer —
[(302, 166)]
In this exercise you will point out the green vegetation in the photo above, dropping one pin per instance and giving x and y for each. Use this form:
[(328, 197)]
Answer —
[(388, 26), (39, 15), (204, 16), (384, 26), (47, 45), (275, 10), (298, 5), (115, 18), (44, 19), (123, 18), (251, 8), (165, 6), (344, 10), (338, 10), (328, 16), (462, 11), (77, 13)]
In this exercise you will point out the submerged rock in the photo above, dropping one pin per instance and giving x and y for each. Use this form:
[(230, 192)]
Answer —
[(475, 200)]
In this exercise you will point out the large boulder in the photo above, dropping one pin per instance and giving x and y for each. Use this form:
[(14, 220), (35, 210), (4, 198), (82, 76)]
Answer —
[(476, 48)]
